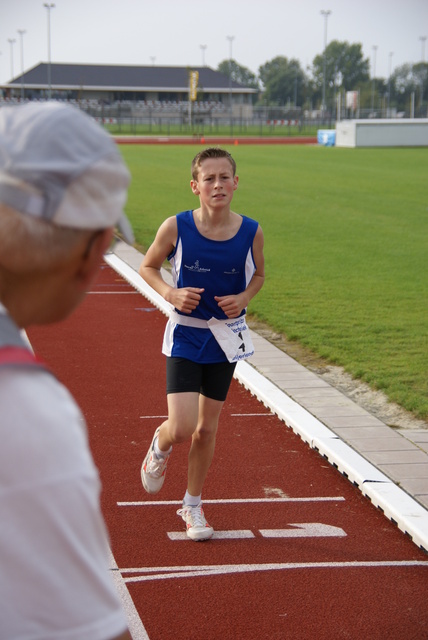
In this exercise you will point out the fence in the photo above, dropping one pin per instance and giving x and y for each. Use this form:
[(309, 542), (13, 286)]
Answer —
[(169, 118)]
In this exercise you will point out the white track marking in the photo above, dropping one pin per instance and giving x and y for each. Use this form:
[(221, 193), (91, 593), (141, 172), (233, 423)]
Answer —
[(244, 415), (218, 535), (240, 415), (160, 503), (135, 624), (163, 573), (305, 530)]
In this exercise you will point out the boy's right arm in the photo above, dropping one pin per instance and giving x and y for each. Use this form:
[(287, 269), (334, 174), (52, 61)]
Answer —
[(185, 299), (158, 252)]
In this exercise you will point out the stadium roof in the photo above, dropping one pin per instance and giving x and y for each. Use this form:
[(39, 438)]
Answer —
[(125, 78)]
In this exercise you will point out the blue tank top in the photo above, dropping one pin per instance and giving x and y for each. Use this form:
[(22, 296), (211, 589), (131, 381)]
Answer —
[(221, 267)]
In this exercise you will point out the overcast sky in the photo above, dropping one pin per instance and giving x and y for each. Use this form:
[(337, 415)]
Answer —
[(171, 32)]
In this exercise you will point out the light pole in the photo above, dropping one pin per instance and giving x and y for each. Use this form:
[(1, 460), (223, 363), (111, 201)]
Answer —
[(325, 13), (11, 41), (374, 75), (423, 40), (203, 48), (49, 7), (391, 53), (231, 39), (21, 37)]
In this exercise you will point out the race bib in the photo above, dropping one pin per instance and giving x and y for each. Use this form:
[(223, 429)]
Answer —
[(233, 336)]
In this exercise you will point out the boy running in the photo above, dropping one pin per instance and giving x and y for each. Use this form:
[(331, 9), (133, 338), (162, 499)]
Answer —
[(217, 267)]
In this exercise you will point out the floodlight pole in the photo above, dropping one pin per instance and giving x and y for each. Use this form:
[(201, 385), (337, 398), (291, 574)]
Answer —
[(11, 41), (21, 37), (203, 48), (374, 75), (49, 7), (231, 39), (423, 40), (325, 13), (389, 82)]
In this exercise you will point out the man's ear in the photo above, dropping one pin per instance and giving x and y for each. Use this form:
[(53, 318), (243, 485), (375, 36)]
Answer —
[(90, 262), (194, 187)]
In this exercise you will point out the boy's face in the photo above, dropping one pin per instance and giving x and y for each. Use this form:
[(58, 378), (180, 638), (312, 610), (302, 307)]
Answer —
[(216, 183)]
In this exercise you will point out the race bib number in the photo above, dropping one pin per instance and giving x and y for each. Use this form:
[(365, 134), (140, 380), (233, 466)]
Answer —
[(233, 336)]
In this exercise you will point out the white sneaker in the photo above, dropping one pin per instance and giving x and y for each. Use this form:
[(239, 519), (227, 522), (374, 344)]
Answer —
[(153, 469), (197, 527)]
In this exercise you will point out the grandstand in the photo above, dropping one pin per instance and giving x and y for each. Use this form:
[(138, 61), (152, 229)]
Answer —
[(137, 89)]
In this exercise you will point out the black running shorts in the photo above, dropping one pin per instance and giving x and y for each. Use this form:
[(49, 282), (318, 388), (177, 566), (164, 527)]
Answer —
[(211, 380)]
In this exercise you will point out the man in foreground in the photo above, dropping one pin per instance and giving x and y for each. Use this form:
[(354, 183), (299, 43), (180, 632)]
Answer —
[(63, 186)]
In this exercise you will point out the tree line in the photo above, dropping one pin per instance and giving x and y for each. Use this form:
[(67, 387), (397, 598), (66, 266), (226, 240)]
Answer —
[(283, 82)]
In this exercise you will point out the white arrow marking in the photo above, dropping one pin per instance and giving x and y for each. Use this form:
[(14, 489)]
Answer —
[(305, 530)]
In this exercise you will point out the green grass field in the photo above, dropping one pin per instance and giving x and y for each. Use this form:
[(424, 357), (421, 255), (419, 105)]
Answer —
[(346, 246)]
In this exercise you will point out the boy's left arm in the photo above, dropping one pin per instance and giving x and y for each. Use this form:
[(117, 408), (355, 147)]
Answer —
[(233, 305)]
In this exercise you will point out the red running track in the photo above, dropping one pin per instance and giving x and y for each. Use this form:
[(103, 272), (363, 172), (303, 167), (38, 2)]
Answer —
[(214, 140), (314, 558)]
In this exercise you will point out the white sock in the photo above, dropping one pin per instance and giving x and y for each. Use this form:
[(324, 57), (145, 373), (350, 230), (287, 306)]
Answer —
[(158, 452), (191, 501)]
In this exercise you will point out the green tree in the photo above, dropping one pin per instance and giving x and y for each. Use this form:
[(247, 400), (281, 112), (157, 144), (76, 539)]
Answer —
[(238, 73), (345, 67), (420, 76), (408, 79), (284, 81)]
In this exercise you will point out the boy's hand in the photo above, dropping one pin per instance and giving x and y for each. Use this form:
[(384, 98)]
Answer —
[(185, 299), (231, 305)]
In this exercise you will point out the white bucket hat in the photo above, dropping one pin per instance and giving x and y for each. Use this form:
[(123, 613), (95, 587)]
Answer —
[(58, 164)]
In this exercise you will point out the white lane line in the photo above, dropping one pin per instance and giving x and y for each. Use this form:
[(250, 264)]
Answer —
[(135, 625), (305, 530), (218, 535), (120, 293), (234, 415), (153, 417), (160, 503), (163, 573), (244, 415)]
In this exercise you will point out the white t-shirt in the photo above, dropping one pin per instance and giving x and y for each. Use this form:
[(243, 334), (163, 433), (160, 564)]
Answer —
[(54, 580)]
